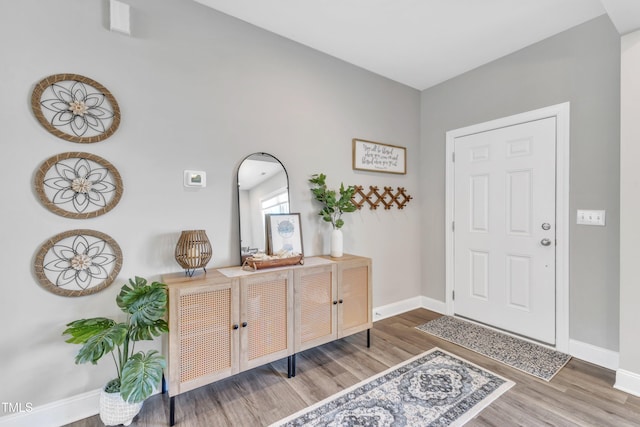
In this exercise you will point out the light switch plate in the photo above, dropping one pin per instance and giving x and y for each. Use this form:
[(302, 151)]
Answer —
[(591, 217)]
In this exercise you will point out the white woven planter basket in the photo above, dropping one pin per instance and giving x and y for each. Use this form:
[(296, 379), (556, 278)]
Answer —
[(114, 410)]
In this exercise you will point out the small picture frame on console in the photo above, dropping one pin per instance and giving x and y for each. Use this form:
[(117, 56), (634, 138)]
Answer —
[(283, 234)]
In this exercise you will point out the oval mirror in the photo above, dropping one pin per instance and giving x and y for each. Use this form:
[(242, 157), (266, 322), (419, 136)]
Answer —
[(263, 188)]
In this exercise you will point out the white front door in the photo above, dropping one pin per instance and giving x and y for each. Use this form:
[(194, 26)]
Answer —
[(505, 228)]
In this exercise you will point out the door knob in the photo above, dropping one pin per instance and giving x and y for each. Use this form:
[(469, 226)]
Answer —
[(545, 242)]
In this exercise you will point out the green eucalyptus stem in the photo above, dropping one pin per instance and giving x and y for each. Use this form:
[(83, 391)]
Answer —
[(333, 206)]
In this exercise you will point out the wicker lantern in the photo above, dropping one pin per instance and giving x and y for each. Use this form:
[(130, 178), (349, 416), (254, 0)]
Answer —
[(193, 251)]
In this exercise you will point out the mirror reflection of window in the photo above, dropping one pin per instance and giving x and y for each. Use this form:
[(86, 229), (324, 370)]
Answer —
[(278, 203)]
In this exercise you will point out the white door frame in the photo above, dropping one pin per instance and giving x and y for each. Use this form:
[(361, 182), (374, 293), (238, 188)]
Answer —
[(562, 114)]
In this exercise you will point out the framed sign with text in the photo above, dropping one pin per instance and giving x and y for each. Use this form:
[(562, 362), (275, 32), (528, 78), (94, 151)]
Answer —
[(379, 157)]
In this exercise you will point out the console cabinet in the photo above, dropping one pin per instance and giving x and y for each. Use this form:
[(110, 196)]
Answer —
[(230, 320), (204, 315), (266, 328), (220, 325), (332, 301)]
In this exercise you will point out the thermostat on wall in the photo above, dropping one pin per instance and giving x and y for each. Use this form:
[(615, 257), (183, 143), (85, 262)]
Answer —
[(195, 179)]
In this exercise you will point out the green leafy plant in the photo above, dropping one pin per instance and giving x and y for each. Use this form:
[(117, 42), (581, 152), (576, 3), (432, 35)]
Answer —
[(332, 206), (138, 372)]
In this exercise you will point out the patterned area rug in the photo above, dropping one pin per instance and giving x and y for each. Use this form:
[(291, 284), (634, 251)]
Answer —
[(534, 359), (432, 389)]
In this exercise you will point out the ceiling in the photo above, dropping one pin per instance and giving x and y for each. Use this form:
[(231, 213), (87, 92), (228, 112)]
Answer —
[(256, 169), (421, 43)]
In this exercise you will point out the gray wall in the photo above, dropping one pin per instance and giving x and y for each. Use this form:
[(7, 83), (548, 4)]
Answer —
[(630, 206), (198, 90), (581, 65)]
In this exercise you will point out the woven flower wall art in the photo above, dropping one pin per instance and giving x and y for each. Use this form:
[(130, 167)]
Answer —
[(78, 185), (78, 262), (75, 108)]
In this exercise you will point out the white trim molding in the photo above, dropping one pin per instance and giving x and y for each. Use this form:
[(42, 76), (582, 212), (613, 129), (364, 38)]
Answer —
[(57, 413), (434, 305), (409, 304), (627, 381), (563, 217), (395, 308), (597, 355)]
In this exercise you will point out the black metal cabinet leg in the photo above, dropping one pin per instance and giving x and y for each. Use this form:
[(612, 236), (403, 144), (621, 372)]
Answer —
[(172, 410), (294, 364), (368, 338), (291, 366)]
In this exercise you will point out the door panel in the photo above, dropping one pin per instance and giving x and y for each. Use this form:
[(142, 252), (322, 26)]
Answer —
[(504, 184), (480, 203), (316, 315), (519, 203), (480, 274), (266, 333), (518, 281)]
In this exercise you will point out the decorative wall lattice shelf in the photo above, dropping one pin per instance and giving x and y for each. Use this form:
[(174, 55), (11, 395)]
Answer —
[(388, 198)]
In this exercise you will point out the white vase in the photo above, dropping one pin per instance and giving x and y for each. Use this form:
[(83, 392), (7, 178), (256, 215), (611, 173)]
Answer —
[(336, 243), (114, 410)]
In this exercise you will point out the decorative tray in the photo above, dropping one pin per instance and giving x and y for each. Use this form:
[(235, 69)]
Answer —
[(252, 263)]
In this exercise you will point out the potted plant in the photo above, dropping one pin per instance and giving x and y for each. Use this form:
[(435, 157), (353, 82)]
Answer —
[(333, 207), (138, 373)]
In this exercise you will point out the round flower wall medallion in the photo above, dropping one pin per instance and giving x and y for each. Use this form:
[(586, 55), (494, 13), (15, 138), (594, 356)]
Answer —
[(78, 185), (78, 262), (75, 108)]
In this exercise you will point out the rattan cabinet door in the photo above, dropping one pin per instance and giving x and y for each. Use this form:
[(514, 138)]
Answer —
[(266, 313), (203, 339), (316, 306), (354, 295)]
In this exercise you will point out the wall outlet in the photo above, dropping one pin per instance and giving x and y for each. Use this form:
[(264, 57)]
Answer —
[(590, 217)]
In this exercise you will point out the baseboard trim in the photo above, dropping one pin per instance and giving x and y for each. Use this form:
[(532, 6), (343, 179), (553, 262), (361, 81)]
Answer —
[(627, 381), (57, 413), (597, 355), (396, 308), (434, 305)]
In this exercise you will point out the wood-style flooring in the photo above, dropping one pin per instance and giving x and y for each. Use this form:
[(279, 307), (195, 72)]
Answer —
[(582, 394)]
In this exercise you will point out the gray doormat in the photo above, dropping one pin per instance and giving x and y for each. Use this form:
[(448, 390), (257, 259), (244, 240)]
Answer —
[(533, 359)]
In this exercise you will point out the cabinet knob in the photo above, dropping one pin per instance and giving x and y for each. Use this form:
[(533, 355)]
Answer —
[(235, 326), (340, 301), (244, 324), (335, 302)]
